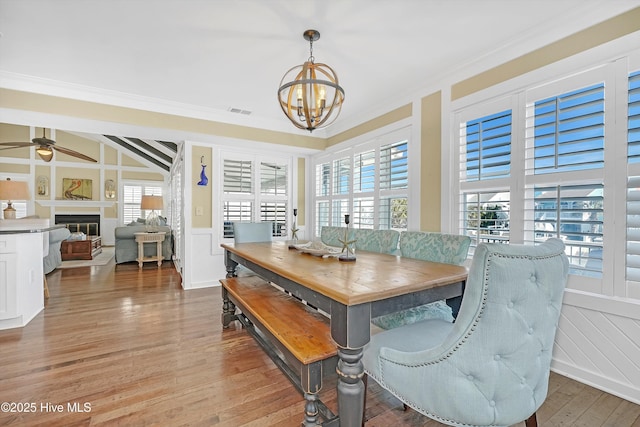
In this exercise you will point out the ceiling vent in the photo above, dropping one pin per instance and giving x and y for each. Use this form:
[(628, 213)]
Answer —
[(239, 111)]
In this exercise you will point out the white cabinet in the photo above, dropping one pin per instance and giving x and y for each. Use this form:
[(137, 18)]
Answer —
[(21, 272)]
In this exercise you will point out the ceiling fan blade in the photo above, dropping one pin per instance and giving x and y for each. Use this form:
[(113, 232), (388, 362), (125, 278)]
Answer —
[(73, 153), (15, 145)]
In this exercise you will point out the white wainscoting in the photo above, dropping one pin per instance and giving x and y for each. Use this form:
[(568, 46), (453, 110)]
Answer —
[(204, 265), (108, 231), (598, 343)]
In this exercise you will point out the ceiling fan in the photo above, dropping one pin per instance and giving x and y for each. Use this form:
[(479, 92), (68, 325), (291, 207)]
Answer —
[(44, 148)]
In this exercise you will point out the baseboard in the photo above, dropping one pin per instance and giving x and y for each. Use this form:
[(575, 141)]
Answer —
[(624, 391)]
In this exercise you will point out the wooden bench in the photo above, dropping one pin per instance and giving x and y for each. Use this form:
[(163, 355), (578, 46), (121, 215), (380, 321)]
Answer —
[(295, 336)]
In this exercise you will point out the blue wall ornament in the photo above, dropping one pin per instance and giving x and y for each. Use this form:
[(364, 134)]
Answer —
[(203, 178)]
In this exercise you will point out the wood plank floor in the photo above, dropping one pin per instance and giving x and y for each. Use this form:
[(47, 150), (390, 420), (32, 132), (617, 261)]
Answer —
[(118, 345)]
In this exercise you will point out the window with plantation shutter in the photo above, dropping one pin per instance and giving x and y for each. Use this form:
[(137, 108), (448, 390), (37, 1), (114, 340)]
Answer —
[(323, 177), (132, 196), (575, 214), (394, 166), (569, 131), (322, 215), (255, 189), (341, 175), (487, 150), (275, 212), (369, 181), (364, 172), (273, 179), (363, 212), (485, 216), (632, 273), (238, 176), (566, 176)]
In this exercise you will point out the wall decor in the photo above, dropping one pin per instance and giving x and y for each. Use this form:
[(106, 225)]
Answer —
[(42, 186), (77, 189), (203, 178), (109, 189)]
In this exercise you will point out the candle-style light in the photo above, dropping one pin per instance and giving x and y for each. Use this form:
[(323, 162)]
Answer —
[(350, 256), (294, 229)]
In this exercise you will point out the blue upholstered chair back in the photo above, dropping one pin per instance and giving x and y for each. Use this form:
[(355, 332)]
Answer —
[(381, 241), (249, 232), (490, 367), (331, 236), (436, 247)]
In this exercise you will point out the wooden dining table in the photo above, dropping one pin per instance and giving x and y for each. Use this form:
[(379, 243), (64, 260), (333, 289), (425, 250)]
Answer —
[(351, 293)]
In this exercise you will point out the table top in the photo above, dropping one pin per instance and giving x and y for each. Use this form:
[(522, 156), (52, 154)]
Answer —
[(372, 277)]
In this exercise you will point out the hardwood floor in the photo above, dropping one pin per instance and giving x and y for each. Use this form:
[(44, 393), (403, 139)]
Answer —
[(117, 345)]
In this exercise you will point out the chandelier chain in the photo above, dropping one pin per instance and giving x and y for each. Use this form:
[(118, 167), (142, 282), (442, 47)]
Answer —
[(311, 58)]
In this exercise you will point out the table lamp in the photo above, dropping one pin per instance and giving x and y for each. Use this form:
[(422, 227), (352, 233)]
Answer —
[(13, 190), (152, 203)]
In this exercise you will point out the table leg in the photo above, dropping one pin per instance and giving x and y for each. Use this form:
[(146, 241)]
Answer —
[(140, 254), (350, 387), (351, 330), (159, 252)]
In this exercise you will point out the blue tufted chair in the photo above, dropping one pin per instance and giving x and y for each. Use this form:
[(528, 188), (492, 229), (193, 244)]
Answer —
[(436, 247), (490, 367)]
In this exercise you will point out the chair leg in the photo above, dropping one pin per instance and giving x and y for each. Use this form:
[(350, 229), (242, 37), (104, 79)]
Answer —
[(532, 421)]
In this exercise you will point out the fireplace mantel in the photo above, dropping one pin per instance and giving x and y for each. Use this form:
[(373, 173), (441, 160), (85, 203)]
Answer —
[(76, 203)]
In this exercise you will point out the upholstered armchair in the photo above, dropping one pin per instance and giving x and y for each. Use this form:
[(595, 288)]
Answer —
[(436, 247), (490, 367)]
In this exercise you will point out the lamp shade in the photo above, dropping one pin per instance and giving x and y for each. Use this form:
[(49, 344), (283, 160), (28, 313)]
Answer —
[(14, 190), (150, 203)]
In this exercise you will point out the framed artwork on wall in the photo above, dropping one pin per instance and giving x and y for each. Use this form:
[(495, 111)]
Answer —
[(77, 189)]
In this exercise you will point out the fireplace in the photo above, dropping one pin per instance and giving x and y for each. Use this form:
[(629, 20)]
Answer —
[(87, 224)]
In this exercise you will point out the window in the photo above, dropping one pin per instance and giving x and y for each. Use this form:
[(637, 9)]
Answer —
[(632, 273), (573, 213), (132, 196), (485, 171), (569, 131), (545, 161), (488, 146), (370, 182), (485, 217), (255, 189)]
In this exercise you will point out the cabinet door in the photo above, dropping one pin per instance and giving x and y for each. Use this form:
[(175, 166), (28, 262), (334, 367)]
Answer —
[(8, 285)]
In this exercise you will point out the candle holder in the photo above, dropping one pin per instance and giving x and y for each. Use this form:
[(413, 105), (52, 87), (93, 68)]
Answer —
[(294, 231), (350, 256)]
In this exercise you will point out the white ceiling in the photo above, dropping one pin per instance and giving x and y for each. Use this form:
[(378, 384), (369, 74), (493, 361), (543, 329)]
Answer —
[(202, 57)]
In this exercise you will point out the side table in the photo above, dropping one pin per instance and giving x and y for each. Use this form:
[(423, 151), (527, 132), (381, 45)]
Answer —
[(156, 238)]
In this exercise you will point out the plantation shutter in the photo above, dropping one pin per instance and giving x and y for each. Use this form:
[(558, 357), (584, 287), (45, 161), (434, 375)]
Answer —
[(569, 131), (237, 176)]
